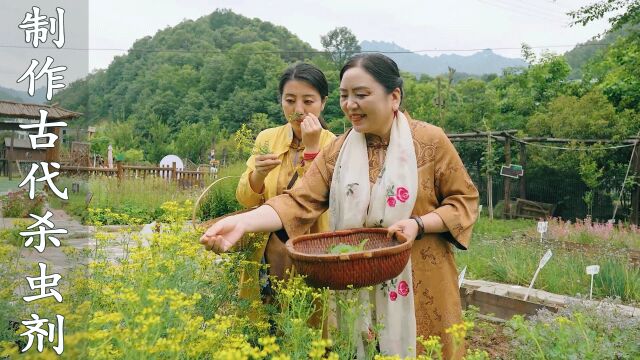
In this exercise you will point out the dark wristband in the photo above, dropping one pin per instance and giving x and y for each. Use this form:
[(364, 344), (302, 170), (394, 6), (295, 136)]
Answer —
[(418, 220)]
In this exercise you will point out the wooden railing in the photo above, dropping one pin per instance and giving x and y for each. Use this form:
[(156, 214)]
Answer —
[(186, 178)]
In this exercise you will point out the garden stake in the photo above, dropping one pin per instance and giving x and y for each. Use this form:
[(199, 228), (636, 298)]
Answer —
[(592, 270), (542, 263)]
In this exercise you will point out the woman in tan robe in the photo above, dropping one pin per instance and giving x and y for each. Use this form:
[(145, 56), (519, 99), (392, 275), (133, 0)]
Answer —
[(444, 211)]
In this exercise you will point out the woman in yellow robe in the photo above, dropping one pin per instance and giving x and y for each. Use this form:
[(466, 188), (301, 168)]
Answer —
[(280, 157), (427, 191)]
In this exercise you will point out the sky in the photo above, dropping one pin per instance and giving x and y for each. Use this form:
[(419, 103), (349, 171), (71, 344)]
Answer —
[(454, 26)]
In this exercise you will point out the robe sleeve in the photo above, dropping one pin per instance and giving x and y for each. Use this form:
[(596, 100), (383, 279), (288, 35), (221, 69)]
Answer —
[(300, 207), (456, 193)]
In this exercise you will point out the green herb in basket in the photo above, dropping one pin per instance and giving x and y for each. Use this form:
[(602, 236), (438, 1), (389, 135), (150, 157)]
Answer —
[(345, 248)]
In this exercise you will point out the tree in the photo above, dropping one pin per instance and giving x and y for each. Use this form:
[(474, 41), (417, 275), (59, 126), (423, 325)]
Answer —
[(341, 44), (243, 140), (628, 12), (259, 122), (122, 133), (194, 141)]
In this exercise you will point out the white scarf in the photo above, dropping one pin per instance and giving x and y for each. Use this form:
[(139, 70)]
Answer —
[(353, 204)]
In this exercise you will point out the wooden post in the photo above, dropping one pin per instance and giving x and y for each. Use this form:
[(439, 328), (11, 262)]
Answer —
[(120, 172), (523, 163), (53, 154), (174, 174), (489, 180), (13, 155), (635, 191), (506, 180)]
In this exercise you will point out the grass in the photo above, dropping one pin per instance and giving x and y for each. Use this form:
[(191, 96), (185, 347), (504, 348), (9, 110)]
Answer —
[(7, 185), (142, 198), (501, 251)]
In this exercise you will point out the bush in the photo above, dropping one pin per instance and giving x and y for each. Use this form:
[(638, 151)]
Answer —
[(579, 331), (219, 201), (17, 204)]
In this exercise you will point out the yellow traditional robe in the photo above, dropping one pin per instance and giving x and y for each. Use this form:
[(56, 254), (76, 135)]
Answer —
[(278, 140)]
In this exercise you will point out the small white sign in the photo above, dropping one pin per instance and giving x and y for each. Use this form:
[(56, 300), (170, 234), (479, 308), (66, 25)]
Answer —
[(461, 277), (593, 269), (543, 226), (545, 259), (543, 262)]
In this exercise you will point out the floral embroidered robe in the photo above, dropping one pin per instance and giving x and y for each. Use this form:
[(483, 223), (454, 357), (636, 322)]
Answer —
[(444, 187)]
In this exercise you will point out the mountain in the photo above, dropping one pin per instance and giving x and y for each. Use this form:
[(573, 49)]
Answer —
[(39, 96), (482, 62), (222, 64), (174, 91)]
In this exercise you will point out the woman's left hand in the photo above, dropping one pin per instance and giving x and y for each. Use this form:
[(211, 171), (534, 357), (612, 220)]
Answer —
[(311, 130), (408, 228)]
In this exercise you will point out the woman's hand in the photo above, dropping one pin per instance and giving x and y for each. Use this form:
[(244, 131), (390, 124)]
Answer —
[(311, 130), (408, 228), (266, 163), (223, 235)]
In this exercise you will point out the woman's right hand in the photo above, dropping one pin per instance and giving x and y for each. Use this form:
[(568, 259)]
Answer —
[(223, 235), (266, 163)]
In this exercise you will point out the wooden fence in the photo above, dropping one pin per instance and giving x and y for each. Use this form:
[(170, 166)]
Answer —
[(185, 178)]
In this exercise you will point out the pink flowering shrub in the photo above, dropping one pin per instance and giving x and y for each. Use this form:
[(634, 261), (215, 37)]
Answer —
[(17, 204), (588, 232)]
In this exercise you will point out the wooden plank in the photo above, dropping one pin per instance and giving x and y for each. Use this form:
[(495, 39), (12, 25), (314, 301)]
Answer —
[(502, 307)]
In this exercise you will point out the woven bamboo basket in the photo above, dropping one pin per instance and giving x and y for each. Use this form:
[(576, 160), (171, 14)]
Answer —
[(381, 260)]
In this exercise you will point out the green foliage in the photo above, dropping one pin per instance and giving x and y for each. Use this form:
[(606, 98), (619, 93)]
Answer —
[(489, 160), (108, 216), (227, 66), (100, 144), (618, 12), (133, 156), (588, 117), (616, 75), (339, 125), (194, 141), (10, 279), (579, 331), (259, 122), (243, 138), (218, 202)]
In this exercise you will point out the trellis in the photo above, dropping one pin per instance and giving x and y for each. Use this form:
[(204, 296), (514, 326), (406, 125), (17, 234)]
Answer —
[(507, 137)]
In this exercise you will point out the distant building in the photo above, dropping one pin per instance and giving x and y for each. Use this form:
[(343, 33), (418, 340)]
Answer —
[(12, 115)]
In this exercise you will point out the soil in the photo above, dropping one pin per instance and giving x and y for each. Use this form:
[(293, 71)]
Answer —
[(490, 337)]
